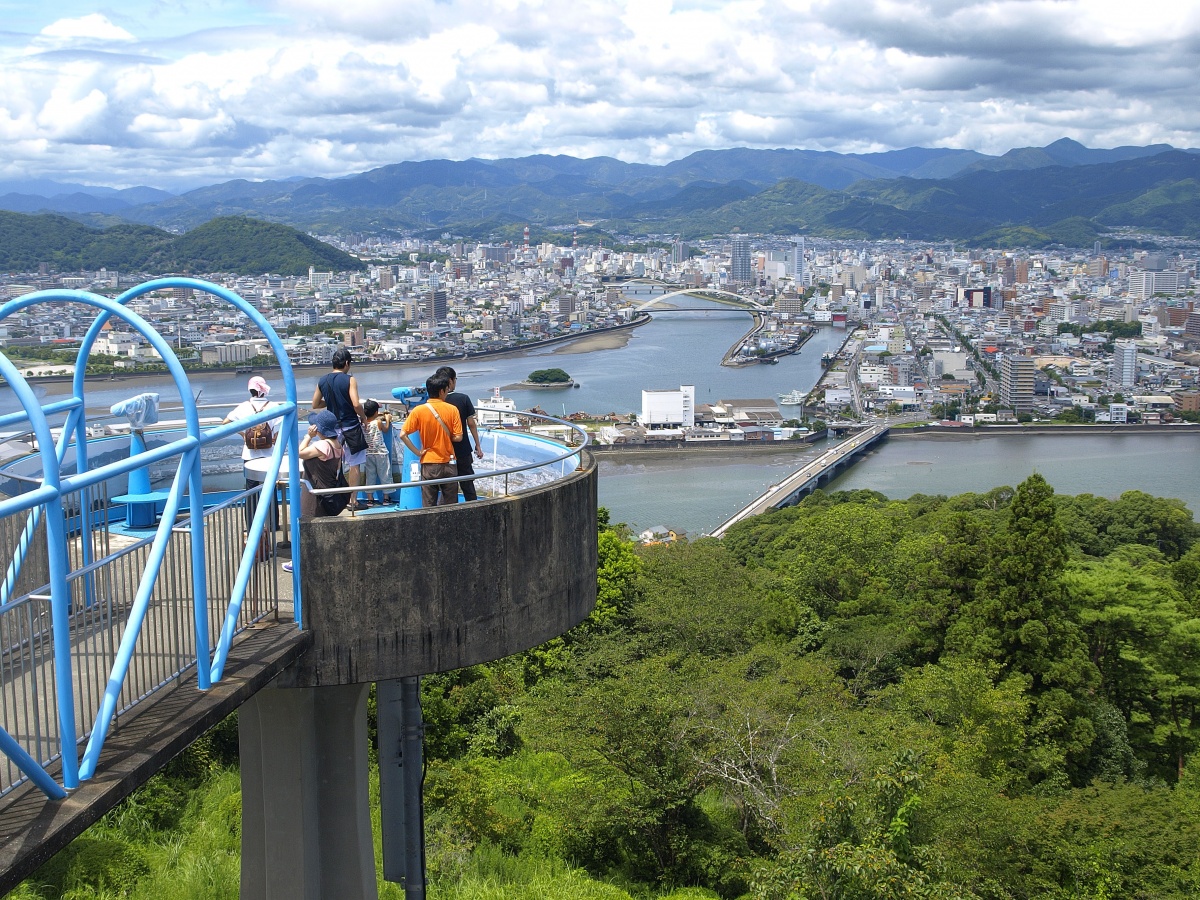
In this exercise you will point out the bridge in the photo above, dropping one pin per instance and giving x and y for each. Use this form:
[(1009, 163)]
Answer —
[(806, 479), (133, 617), (728, 297)]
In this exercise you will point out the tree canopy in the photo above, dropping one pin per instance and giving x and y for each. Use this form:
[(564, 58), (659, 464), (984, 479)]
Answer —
[(988, 696), (548, 376)]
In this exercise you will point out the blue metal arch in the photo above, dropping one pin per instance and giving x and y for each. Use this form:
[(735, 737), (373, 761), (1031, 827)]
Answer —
[(49, 495), (54, 484), (290, 423)]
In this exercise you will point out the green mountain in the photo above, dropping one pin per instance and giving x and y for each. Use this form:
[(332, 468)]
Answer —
[(229, 244), (1061, 193), (1072, 205)]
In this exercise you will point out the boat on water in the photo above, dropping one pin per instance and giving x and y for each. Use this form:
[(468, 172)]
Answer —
[(827, 360), (792, 398)]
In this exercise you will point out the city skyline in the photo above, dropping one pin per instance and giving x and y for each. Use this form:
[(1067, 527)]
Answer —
[(176, 95)]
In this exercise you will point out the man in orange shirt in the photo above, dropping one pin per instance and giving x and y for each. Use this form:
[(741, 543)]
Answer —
[(439, 425)]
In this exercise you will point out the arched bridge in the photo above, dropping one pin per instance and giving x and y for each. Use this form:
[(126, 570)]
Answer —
[(139, 607), (728, 297)]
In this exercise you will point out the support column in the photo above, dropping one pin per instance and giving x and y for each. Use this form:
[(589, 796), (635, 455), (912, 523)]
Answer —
[(401, 783), (306, 821)]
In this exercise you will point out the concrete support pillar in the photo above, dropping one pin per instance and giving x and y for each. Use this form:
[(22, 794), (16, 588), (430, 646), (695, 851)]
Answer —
[(306, 821)]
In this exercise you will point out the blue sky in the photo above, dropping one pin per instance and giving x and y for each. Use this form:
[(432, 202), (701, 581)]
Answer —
[(177, 94)]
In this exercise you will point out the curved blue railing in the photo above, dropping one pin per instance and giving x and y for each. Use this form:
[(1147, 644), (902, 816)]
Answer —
[(44, 505)]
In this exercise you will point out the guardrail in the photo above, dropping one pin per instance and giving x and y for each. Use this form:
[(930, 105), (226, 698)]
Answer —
[(555, 459), (108, 602)]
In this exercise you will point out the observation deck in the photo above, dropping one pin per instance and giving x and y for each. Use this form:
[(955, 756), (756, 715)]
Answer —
[(123, 641)]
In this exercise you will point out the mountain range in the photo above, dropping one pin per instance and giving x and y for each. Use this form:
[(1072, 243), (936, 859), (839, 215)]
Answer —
[(1062, 193)]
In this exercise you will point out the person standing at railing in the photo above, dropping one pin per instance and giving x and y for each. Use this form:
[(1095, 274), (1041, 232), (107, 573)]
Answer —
[(257, 441), (322, 456), (462, 449), (378, 469), (338, 392), (439, 425)]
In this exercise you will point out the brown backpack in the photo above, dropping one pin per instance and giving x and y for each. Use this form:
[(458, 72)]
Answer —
[(260, 436)]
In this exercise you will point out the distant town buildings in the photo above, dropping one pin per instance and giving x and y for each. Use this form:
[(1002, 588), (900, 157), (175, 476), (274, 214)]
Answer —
[(981, 333), (669, 410)]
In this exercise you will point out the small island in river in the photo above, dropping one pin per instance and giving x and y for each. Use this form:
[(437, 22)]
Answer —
[(544, 379)]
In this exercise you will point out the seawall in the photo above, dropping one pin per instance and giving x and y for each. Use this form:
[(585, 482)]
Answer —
[(930, 432)]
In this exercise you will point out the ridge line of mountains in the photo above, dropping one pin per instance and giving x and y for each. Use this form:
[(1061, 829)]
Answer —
[(1064, 193)]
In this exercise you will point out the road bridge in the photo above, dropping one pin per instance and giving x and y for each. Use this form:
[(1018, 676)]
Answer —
[(807, 478), (124, 637)]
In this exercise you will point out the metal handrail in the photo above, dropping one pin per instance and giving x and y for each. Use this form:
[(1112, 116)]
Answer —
[(478, 475), (51, 491)]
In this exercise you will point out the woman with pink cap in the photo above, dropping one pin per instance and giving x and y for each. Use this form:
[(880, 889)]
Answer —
[(255, 444)]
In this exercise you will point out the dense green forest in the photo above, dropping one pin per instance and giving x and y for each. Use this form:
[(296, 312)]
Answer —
[(983, 696), (229, 244)]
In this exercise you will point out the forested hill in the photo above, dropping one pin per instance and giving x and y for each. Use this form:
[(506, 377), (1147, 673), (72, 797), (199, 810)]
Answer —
[(989, 696), (229, 244)]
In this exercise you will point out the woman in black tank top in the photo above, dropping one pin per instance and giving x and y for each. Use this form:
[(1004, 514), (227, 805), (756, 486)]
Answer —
[(338, 392)]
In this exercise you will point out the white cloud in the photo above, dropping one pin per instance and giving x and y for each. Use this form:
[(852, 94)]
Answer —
[(312, 87), (93, 28)]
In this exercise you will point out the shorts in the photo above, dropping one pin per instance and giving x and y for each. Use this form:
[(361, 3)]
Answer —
[(378, 470), (350, 460)]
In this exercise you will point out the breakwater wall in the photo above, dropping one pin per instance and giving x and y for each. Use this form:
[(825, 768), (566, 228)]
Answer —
[(934, 432)]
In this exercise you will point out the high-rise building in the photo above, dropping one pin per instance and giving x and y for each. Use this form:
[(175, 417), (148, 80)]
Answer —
[(740, 272), (1016, 382), (435, 306), (1125, 363), (1146, 284), (798, 273)]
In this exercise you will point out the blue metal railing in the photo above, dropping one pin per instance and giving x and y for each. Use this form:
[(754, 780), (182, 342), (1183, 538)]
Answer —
[(43, 507)]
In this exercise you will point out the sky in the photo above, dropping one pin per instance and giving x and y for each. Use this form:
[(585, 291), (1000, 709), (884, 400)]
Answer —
[(179, 93)]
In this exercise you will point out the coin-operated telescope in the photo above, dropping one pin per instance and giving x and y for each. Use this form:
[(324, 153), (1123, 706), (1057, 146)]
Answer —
[(406, 466)]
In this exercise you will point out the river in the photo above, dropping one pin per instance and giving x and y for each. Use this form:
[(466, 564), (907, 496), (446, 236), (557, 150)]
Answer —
[(697, 495), (695, 492)]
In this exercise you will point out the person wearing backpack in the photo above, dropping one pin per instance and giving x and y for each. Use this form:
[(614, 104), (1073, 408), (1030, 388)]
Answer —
[(257, 440)]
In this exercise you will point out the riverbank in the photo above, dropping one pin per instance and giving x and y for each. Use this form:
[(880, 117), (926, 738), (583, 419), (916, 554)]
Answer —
[(539, 385), (934, 432), (707, 448), (609, 338)]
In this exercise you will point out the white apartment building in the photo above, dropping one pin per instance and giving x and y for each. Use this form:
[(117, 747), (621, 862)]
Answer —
[(1146, 284), (1124, 368)]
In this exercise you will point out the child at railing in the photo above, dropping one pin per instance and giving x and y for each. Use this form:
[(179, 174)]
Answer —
[(378, 467)]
